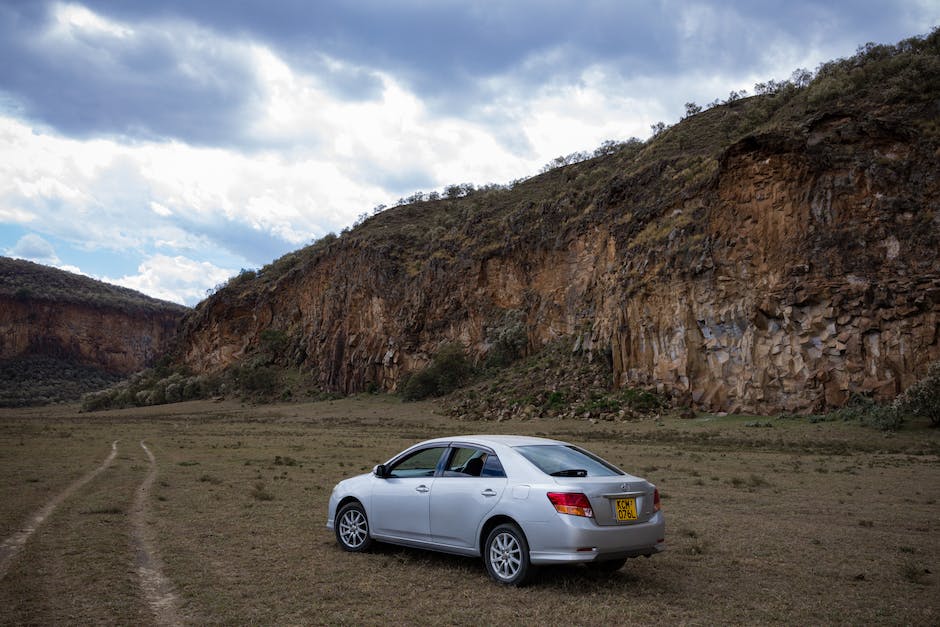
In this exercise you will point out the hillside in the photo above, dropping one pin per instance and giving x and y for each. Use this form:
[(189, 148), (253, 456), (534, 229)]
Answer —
[(772, 253), (25, 280), (62, 334)]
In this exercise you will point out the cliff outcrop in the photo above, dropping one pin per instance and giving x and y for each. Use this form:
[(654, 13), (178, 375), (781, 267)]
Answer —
[(775, 253), (48, 312)]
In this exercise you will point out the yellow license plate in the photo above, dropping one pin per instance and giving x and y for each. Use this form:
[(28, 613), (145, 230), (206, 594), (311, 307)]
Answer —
[(626, 509)]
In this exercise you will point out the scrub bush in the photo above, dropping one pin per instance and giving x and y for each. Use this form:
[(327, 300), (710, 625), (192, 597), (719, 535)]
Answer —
[(864, 410), (509, 340), (923, 398), (449, 370)]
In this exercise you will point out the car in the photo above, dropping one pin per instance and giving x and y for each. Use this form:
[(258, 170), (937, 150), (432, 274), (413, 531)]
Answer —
[(516, 501)]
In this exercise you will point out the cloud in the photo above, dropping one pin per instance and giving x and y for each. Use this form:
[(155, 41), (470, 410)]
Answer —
[(34, 248), (189, 70), (177, 279), (138, 197), (443, 50), (87, 75)]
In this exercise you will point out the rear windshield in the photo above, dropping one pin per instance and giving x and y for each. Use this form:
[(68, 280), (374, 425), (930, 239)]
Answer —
[(561, 460)]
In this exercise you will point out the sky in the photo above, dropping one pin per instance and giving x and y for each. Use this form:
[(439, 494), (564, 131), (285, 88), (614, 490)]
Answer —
[(166, 145)]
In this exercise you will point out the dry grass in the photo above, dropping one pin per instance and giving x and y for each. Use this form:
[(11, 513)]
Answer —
[(827, 523)]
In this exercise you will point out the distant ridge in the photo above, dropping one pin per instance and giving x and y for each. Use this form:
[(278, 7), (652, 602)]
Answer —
[(62, 334), (25, 279)]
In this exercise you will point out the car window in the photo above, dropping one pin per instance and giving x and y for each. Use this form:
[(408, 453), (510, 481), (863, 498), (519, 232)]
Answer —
[(465, 461), (468, 461), (561, 460), (421, 463), (492, 467)]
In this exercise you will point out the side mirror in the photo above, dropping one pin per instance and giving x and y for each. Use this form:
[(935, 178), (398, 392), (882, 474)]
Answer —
[(380, 471)]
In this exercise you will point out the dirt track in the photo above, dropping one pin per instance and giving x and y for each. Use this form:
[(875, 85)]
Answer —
[(156, 587), (12, 545), (158, 590)]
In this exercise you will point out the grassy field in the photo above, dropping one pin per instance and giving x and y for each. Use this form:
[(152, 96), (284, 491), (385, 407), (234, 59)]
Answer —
[(788, 523)]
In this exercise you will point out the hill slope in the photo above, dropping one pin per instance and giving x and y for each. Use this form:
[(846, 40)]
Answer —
[(773, 253), (63, 334)]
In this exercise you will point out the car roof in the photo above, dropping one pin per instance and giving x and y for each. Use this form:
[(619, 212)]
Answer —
[(498, 440)]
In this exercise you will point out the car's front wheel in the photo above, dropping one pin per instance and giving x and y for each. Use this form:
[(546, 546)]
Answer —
[(352, 528), (506, 555)]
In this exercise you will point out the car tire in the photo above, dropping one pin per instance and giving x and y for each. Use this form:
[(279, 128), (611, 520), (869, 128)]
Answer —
[(352, 528), (607, 566), (506, 555)]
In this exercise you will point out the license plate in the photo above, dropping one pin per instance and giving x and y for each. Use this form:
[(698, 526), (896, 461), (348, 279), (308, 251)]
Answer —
[(626, 509)]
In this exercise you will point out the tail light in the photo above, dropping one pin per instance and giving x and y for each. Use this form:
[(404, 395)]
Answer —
[(656, 504), (573, 503)]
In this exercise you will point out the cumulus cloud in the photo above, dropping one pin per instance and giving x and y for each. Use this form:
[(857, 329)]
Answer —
[(34, 248), (176, 279), (108, 195)]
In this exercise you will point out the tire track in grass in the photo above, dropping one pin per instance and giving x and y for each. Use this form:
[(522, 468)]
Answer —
[(158, 590), (12, 545)]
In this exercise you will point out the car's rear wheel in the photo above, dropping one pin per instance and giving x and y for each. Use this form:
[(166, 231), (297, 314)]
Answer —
[(352, 528), (506, 555)]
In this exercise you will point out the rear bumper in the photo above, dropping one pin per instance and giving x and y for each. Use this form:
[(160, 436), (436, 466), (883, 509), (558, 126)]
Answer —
[(575, 539)]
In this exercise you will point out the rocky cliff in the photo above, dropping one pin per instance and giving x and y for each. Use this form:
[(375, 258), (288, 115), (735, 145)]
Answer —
[(45, 311), (773, 253)]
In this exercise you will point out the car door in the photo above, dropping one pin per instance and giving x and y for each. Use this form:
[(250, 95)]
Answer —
[(469, 487), (400, 501)]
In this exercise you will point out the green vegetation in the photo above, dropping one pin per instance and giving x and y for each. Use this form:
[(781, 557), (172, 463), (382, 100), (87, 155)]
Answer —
[(155, 386), (556, 382), (274, 341), (257, 378), (449, 370), (923, 398), (865, 411), (508, 340), (920, 400), (41, 380), (26, 281)]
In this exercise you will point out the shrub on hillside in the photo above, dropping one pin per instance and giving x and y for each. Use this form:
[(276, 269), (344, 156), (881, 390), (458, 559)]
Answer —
[(866, 411), (645, 401), (449, 370), (923, 398), (258, 379), (150, 387), (40, 380), (508, 340), (274, 342)]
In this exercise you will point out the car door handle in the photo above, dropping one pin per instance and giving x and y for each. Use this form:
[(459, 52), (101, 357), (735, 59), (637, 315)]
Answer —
[(422, 488), (488, 492)]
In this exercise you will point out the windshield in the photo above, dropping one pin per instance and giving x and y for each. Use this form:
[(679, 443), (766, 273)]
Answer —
[(561, 460)]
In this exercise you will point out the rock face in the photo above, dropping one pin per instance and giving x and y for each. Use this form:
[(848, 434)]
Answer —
[(780, 267), (822, 278), (77, 319), (111, 339)]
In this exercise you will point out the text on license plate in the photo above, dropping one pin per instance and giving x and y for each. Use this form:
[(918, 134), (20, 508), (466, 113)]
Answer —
[(626, 509)]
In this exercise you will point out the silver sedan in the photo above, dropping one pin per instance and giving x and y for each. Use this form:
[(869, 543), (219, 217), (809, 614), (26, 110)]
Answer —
[(516, 501)]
